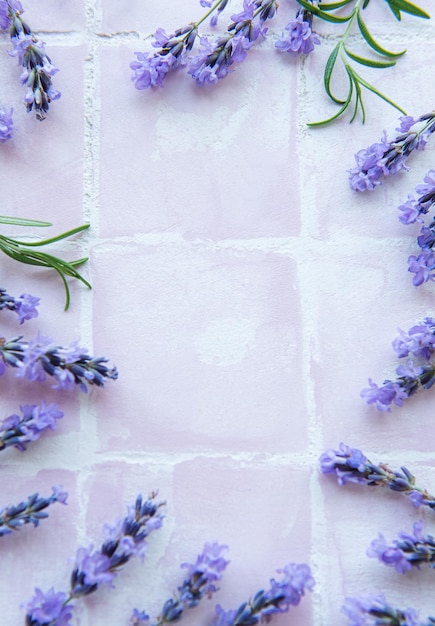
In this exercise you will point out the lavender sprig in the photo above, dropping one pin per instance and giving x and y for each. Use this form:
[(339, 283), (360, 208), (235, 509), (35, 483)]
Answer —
[(95, 568), (376, 611), (200, 582), (151, 70), (213, 61), (37, 67), (31, 511), (296, 579), (420, 341), (412, 211), (406, 552), (24, 306), (18, 431), (41, 358), (298, 36), (350, 465), (386, 158)]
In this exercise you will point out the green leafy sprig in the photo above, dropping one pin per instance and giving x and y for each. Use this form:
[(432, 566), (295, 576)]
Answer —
[(24, 252), (329, 12)]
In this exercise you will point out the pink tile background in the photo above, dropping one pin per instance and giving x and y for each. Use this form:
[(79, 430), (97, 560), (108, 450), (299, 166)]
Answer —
[(245, 294)]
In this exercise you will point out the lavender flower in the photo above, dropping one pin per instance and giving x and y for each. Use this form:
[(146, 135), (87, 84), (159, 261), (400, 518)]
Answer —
[(419, 340), (38, 69), (24, 306), (7, 10), (350, 465), (389, 157), (200, 582), (31, 511), (18, 430), (412, 210), (151, 70), (6, 123), (375, 611), (411, 377), (49, 609), (213, 61), (40, 358), (95, 568), (406, 552), (296, 579), (298, 38)]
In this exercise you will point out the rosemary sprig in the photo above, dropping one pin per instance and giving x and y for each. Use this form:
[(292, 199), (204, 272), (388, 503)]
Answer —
[(342, 52), (23, 251)]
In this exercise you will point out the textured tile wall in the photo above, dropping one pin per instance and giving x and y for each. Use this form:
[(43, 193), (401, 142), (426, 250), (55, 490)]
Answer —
[(245, 294)]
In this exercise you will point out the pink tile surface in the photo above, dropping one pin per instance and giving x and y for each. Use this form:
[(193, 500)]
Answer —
[(245, 294)]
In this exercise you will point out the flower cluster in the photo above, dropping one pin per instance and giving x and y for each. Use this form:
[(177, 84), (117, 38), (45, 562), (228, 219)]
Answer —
[(213, 60), (350, 465), (375, 611), (200, 582), (24, 306), (19, 430), (288, 591), (41, 358), (412, 211), (411, 376), (37, 68), (298, 36), (406, 552), (386, 158), (95, 568), (31, 511)]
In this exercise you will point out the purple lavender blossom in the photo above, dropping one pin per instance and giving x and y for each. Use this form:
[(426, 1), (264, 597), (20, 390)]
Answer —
[(41, 358), (31, 511), (95, 568), (38, 69), (422, 266), (406, 552), (419, 340), (6, 124), (24, 306), (18, 430), (138, 618), (350, 465), (411, 377), (296, 579), (214, 61), (49, 609), (298, 37), (202, 575), (389, 157), (151, 70), (375, 611), (199, 582)]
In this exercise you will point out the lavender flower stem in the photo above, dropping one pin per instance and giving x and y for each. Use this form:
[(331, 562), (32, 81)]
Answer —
[(41, 358), (95, 568), (30, 511), (406, 552), (199, 582), (351, 466), (18, 431)]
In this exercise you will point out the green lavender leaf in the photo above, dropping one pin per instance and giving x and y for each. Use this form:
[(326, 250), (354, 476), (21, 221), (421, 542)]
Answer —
[(23, 252), (373, 43), (368, 62), (397, 6)]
